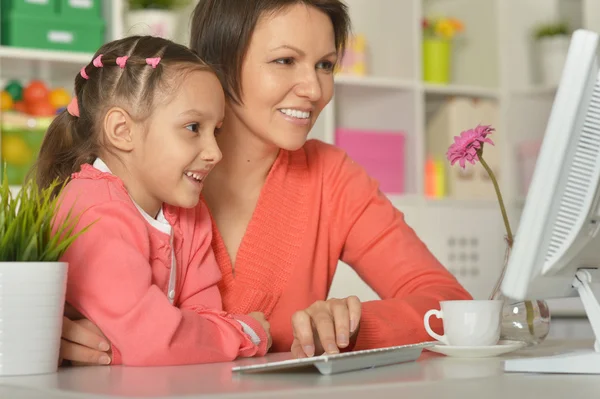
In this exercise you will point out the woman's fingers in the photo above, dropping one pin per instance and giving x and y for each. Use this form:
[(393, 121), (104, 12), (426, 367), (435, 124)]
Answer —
[(82, 355), (322, 318), (341, 320), (325, 326), (85, 333), (83, 343), (303, 332), (355, 311), (297, 351)]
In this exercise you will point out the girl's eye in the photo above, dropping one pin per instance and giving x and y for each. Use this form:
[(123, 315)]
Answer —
[(193, 127), (284, 61), (326, 65)]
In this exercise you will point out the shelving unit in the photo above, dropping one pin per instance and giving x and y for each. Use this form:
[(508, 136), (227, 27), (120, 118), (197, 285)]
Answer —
[(491, 61)]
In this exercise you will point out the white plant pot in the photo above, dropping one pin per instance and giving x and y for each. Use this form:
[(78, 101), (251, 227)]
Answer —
[(553, 54), (32, 299), (161, 23)]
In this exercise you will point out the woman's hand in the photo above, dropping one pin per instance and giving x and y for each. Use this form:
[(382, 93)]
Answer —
[(325, 326), (83, 343), (260, 317)]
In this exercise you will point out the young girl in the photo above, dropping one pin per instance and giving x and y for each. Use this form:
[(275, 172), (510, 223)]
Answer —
[(135, 145)]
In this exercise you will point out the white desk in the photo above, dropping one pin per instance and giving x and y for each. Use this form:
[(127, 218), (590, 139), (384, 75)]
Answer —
[(433, 376)]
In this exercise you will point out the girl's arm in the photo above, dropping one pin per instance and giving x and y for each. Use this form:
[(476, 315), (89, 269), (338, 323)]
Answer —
[(110, 282)]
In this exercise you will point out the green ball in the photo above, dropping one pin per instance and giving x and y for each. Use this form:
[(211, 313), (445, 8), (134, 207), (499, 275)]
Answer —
[(15, 90)]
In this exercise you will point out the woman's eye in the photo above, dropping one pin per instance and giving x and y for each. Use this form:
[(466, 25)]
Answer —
[(284, 61), (326, 65), (193, 127)]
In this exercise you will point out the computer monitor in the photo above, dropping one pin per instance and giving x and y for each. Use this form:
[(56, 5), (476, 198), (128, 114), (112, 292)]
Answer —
[(556, 252)]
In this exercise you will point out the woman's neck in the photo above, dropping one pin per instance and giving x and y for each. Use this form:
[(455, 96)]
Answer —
[(246, 161)]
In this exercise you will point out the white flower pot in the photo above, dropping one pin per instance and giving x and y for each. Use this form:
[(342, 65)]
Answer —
[(553, 53), (32, 298), (161, 23)]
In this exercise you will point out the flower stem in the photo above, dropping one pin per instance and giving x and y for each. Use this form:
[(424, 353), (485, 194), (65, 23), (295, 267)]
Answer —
[(509, 235)]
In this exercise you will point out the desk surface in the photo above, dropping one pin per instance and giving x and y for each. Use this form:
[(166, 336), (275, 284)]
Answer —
[(433, 375)]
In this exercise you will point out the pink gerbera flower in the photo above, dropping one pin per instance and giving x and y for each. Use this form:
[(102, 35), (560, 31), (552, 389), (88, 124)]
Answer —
[(465, 147)]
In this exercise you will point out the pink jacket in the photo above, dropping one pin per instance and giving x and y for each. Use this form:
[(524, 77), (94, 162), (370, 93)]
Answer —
[(119, 273)]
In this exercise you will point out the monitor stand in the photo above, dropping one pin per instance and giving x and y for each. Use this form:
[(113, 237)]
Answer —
[(575, 362)]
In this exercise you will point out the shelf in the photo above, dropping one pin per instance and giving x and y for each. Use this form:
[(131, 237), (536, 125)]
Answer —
[(401, 200), (460, 90), (67, 57), (461, 203), (374, 82), (535, 91)]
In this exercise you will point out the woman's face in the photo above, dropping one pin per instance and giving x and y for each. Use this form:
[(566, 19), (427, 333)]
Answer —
[(287, 76)]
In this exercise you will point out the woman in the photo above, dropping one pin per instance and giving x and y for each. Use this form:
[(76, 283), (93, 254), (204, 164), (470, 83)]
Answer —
[(285, 209)]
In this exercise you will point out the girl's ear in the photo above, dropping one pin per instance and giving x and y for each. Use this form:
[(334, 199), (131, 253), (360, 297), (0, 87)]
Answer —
[(118, 128)]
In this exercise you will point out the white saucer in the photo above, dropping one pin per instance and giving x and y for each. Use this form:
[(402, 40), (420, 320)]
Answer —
[(477, 351)]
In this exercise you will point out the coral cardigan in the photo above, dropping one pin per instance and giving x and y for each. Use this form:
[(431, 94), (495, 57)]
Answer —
[(119, 273), (318, 207)]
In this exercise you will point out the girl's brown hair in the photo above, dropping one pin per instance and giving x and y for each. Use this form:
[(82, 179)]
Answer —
[(222, 29), (74, 140)]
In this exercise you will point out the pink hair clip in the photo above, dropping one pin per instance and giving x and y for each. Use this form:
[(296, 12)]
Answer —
[(121, 61), (73, 107), (153, 62), (98, 62), (84, 74)]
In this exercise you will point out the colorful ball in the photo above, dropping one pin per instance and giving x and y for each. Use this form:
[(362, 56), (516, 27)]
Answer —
[(59, 98), (6, 101), (35, 92), (15, 90), (40, 108)]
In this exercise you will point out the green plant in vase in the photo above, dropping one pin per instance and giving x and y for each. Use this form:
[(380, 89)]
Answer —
[(27, 222), (522, 321), (32, 277)]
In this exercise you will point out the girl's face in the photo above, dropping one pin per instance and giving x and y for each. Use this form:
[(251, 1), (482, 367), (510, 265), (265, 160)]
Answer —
[(287, 77), (178, 148)]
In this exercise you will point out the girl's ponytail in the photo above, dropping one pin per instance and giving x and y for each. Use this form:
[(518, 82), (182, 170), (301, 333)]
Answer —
[(62, 152)]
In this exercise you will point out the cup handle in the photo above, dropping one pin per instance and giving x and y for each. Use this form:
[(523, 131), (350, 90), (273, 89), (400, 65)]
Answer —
[(439, 315)]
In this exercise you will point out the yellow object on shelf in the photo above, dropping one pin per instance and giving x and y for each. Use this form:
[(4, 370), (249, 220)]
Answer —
[(354, 61), (437, 54), (440, 179), (435, 178)]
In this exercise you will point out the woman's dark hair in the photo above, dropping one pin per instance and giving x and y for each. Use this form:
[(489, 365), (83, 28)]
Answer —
[(135, 86), (222, 29)]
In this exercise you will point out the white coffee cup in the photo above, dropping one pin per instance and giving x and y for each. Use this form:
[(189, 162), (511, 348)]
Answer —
[(468, 322)]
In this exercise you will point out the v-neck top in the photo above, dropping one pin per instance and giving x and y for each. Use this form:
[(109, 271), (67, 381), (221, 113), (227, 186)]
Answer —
[(318, 207)]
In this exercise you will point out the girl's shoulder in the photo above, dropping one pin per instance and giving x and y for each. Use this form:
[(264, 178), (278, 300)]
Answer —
[(90, 187)]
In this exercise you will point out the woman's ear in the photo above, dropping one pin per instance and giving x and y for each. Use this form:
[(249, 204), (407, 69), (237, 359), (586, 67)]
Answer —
[(118, 128)]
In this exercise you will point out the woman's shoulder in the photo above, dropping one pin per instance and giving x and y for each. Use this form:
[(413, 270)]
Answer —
[(322, 151), (329, 160), (323, 156)]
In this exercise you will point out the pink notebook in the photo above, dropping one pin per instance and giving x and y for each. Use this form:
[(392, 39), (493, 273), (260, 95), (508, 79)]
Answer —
[(381, 153)]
